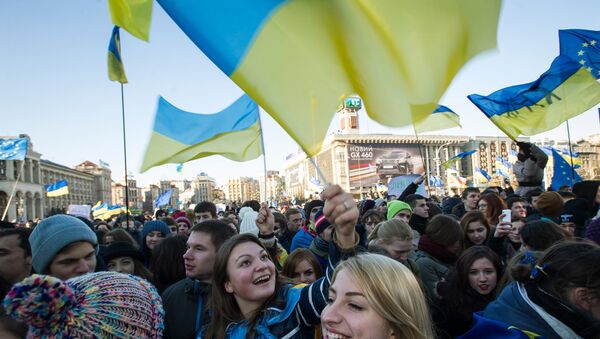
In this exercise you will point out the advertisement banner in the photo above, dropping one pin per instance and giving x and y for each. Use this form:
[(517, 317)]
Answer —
[(370, 164)]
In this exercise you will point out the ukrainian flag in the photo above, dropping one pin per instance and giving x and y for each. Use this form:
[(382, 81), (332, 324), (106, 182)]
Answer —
[(482, 175), (503, 167), (57, 189), (116, 70), (456, 158), (181, 136), (99, 210), (441, 118), (133, 15), (300, 59), (566, 90)]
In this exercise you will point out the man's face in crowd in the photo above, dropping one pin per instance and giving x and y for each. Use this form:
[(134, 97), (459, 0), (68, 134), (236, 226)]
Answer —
[(421, 209), (74, 260), (471, 200), (518, 208), (14, 265), (203, 216), (199, 258), (295, 222)]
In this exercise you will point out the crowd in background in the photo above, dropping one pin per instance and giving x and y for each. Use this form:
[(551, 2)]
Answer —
[(486, 262)]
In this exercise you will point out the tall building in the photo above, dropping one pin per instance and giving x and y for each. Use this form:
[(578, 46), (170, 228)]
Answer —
[(150, 194), (118, 193), (27, 201), (203, 186), (274, 186), (102, 180), (243, 189)]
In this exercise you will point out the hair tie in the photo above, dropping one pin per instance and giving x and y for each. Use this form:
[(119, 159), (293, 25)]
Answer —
[(528, 259), (535, 272)]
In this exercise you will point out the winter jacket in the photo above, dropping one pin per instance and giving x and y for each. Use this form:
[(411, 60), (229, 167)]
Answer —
[(431, 270), (529, 309), (185, 309), (530, 173), (302, 239)]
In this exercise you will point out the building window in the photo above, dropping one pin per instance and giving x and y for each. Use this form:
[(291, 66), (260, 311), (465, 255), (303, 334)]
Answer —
[(3, 169)]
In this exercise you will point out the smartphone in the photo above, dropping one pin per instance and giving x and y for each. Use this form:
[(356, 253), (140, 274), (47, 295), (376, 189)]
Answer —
[(507, 215)]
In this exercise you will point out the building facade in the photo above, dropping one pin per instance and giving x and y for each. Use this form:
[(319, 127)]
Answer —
[(243, 189), (81, 187), (274, 186), (102, 180), (203, 186), (134, 193), (21, 187), (589, 154)]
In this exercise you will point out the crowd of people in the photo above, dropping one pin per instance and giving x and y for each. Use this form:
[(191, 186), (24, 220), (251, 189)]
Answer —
[(485, 263)]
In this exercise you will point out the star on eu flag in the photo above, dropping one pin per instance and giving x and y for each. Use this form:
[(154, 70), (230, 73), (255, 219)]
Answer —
[(593, 42), (585, 44), (580, 53)]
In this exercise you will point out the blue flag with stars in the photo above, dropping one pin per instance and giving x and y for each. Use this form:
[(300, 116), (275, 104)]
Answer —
[(562, 172), (582, 46), (13, 149)]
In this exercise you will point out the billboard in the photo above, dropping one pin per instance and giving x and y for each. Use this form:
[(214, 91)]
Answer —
[(373, 163)]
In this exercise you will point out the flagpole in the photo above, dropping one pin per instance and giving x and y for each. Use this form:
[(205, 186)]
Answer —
[(570, 154), (125, 155), (13, 189), (262, 144), (423, 162)]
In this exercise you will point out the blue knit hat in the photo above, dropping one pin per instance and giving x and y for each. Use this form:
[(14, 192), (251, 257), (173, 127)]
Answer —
[(151, 226), (53, 234)]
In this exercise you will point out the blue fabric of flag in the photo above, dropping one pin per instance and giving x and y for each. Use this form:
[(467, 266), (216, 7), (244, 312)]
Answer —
[(582, 46), (13, 149), (483, 173), (563, 175), (224, 30), (163, 199), (457, 157), (240, 115)]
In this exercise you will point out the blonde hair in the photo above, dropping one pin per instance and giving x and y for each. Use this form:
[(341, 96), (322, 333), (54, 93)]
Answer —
[(393, 292), (390, 230)]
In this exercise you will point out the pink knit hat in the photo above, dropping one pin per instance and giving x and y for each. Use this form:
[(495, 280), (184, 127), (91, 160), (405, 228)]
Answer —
[(99, 305)]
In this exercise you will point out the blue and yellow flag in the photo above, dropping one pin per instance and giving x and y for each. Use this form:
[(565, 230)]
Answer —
[(482, 175), (299, 59), (13, 149), (441, 118), (116, 71), (181, 136), (57, 189), (563, 173), (456, 158), (564, 91), (503, 167), (582, 46), (133, 15)]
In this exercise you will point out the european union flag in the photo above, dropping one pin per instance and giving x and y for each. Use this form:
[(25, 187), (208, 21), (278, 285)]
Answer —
[(563, 174), (582, 46), (13, 149), (116, 70), (163, 199), (564, 91), (457, 157)]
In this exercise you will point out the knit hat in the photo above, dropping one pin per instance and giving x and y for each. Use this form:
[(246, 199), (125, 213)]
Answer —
[(394, 207), (592, 231), (151, 226), (321, 223), (366, 205), (121, 249), (53, 234), (94, 305), (185, 220), (310, 205), (248, 220), (550, 204), (379, 202)]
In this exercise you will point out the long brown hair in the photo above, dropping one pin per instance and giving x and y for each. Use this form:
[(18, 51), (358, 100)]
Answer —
[(467, 219), (225, 308), (495, 205)]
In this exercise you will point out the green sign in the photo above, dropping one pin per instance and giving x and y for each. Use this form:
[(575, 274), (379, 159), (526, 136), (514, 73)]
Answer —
[(353, 102)]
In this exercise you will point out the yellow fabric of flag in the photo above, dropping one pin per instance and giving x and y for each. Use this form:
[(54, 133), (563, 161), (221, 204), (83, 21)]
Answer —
[(132, 15)]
